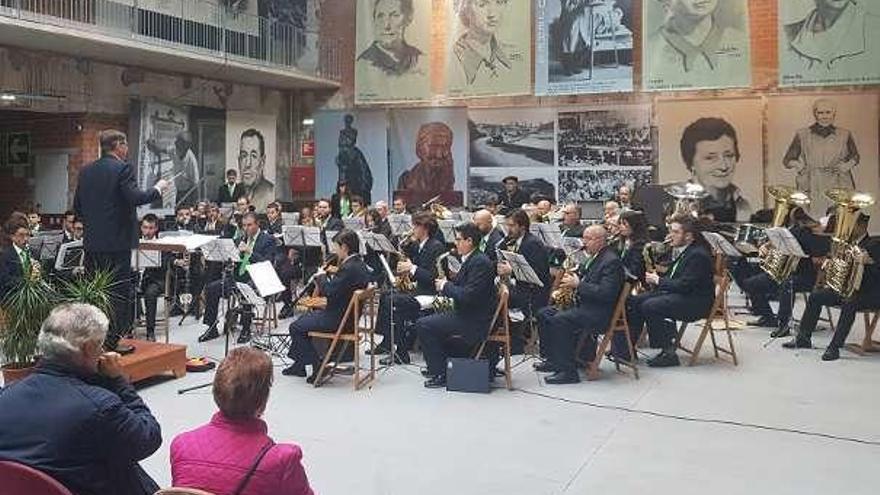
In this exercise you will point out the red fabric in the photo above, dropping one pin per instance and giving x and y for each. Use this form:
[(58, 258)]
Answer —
[(216, 456), (18, 478)]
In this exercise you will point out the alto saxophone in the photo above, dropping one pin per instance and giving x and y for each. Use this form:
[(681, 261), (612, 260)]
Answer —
[(404, 282), (442, 303), (564, 298)]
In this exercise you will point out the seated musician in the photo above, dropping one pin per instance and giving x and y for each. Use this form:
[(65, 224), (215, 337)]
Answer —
[(571, 221), (633, 234), (685, 293), (15, 262), (474, 297), (284, 265), (597, 285), (152, 282), (524, 296), (377, 223), (867, 296), (255, 246), (324, 219), (185, 219), (214, 224), (274, 224), (422, 250), (490, 235), (760, 287), (352, 274), (189, 274)]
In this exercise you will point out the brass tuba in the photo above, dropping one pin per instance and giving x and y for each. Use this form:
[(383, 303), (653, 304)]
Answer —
[(774, 263), (441, 303), (440, 212), (687, 197), (846, 262), (564, 298)]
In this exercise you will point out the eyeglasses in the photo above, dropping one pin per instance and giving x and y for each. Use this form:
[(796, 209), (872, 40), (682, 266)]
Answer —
[(459, 239)]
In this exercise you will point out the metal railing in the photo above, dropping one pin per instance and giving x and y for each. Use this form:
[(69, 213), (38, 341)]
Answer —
[(197, 26)]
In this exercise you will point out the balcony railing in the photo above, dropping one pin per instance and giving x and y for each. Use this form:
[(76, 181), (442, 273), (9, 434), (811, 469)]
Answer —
[(196, 26)]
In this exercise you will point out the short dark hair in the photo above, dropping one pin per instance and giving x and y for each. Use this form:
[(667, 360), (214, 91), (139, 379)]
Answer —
[(469, 230), (110, 138), (427, 221), (17, 220), (69, 213), (374, 215), (688, 224), (519, 217), (150, 218), (231, 171), (358, 198), (274, 205), (181, 208), (257, 134), (705, 129), (349, 239), (251, 215), (406, 8), (638, 224)]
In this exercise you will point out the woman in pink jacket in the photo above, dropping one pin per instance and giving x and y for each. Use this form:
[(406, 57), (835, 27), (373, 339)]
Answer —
[(233, 455)]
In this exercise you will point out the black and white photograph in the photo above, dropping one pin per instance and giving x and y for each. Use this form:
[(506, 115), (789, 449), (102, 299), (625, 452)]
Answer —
[(511, 137), (583, 46), (251, 151), (577, 186), (485, 184), (605, 137)]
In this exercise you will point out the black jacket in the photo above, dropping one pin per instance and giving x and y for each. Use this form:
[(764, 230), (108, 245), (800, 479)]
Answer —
[(601, 283), (426, 265), (384, 228), (573, 231), (871, 277), (106, 199), (10, 270), (811, 244), (691, 274), (473, 290), (335, 207), (523, 295), (88, 432), (264, 249), (223, 195), (508, 202), (495, 236), (352, 275), (634, 260)]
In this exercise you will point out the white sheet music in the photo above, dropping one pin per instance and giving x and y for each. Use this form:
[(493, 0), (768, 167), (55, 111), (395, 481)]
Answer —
[(265, 278), (719, 243), (70, 255), (189, 242), (145, 259), (251, 297), (426, 302), (401, 223), (522, 271), (302, 236), (221, 250), (782, 239)]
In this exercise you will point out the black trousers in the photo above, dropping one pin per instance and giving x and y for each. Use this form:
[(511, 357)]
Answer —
[(658, 310), (214, 292), (761, 287), (826, 297), (150, 292), (302, 350), (406, 311), (287, 272), (435, 332), (118, 263), (560, 332)]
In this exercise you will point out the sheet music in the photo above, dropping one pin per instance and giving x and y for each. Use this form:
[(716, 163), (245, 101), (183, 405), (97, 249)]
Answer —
[(453, 263), (70, 256), (265, 279), (189, 242), (145, 259), (302, 236), (354, 223), (522, 271), (391, 277), (247, 292), (49, 242), (290, 218), (571, 244), (221, 250), (549, 234), (782, 239), (722, 245), (401, 223), (466, 216), (447, 228), (330, 245), (378, 242)]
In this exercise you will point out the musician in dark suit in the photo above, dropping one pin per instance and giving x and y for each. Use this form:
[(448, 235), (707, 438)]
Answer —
[(867, 296), (633, 235), (351, 276), (324, 218), (15, 261), (67, 227), (106, 200), (474, 298), (152, 280), (491, 236), (571, 221), (761, 286), (189, 274), (597, 283), (255, 246), (685, 293), (422, 249), (232, 190), (284, 265), (525, 296)]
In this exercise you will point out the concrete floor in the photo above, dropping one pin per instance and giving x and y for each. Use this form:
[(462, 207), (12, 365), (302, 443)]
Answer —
[(399, 438)]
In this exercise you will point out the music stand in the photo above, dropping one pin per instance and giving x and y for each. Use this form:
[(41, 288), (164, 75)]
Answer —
[(466, 216), (70, 256), (354, 223), (782, 239), (401, 223), (522, 271), (378, 242), (721, 245), (290, 218), (549, 234), (571, 245), (302, 236), (447, 228)]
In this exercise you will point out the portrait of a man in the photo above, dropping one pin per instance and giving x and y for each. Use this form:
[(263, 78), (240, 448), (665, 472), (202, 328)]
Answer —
[(435, 170), (389, 52), (710, 150), (698, 43), (823, 154), (351, 162), (836, 35), (251, 169)]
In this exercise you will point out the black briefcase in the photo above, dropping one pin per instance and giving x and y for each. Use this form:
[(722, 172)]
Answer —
[(467, 375)]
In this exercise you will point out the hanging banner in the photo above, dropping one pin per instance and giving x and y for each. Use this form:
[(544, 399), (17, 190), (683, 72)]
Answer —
[(356, 142), (393, 51), (827, 43), (583, 47), (695, 45), (489, 51)]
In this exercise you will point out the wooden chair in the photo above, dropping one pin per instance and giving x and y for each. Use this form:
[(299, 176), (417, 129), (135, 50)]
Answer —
[(268, 320), (499, 332), (348, 332), (182, 491), (717, 313), (617, 325), (872, 316)]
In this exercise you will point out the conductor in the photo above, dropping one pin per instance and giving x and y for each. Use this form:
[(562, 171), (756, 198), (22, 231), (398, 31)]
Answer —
[(106, 200)]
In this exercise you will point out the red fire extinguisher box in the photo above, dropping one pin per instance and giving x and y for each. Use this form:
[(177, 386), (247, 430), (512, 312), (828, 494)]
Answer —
[(302, 179)]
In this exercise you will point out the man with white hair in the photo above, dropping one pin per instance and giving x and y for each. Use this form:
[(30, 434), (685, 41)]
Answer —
[(76, 418)]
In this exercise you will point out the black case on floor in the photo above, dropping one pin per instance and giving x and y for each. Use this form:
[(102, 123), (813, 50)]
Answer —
[(467, 375)]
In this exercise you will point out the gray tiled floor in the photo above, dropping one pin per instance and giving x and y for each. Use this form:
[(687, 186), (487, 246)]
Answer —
[(399, 438)]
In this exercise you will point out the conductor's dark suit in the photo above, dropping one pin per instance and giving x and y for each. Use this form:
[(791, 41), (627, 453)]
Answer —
[(601, 282), (11, 270), (475, 297), (686, 293), (224, 196), (339, 289), (406, 307), (530, 297), (106, 200)]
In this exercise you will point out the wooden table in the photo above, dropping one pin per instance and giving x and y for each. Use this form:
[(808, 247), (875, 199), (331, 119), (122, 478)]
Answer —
[(150, 359)]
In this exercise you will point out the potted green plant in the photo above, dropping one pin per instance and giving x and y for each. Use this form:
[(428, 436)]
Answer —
[(25, 307)]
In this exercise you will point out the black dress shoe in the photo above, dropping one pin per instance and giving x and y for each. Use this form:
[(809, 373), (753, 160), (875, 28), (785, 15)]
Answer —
[(666, 359), (831, 354), (314, 376), (798, 343), (210, 334), (294, 370), (765, 321), (562, 378), (244, 337), (783, 331), (437, 381), (425, 373), (380, 350), (544, 367)]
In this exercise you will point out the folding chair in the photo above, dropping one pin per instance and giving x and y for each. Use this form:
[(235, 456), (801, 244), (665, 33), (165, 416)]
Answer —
[(348, 332), (617, 325), (499, 331), (868, 343), (718, 312)]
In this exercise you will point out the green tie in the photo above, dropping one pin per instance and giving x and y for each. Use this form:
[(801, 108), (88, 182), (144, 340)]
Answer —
[(25, 261), (587, 264), (246, 260), (483, 245), (344, 207), (674, 267)]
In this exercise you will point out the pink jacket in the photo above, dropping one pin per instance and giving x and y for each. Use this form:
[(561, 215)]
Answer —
[(216, 457)]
